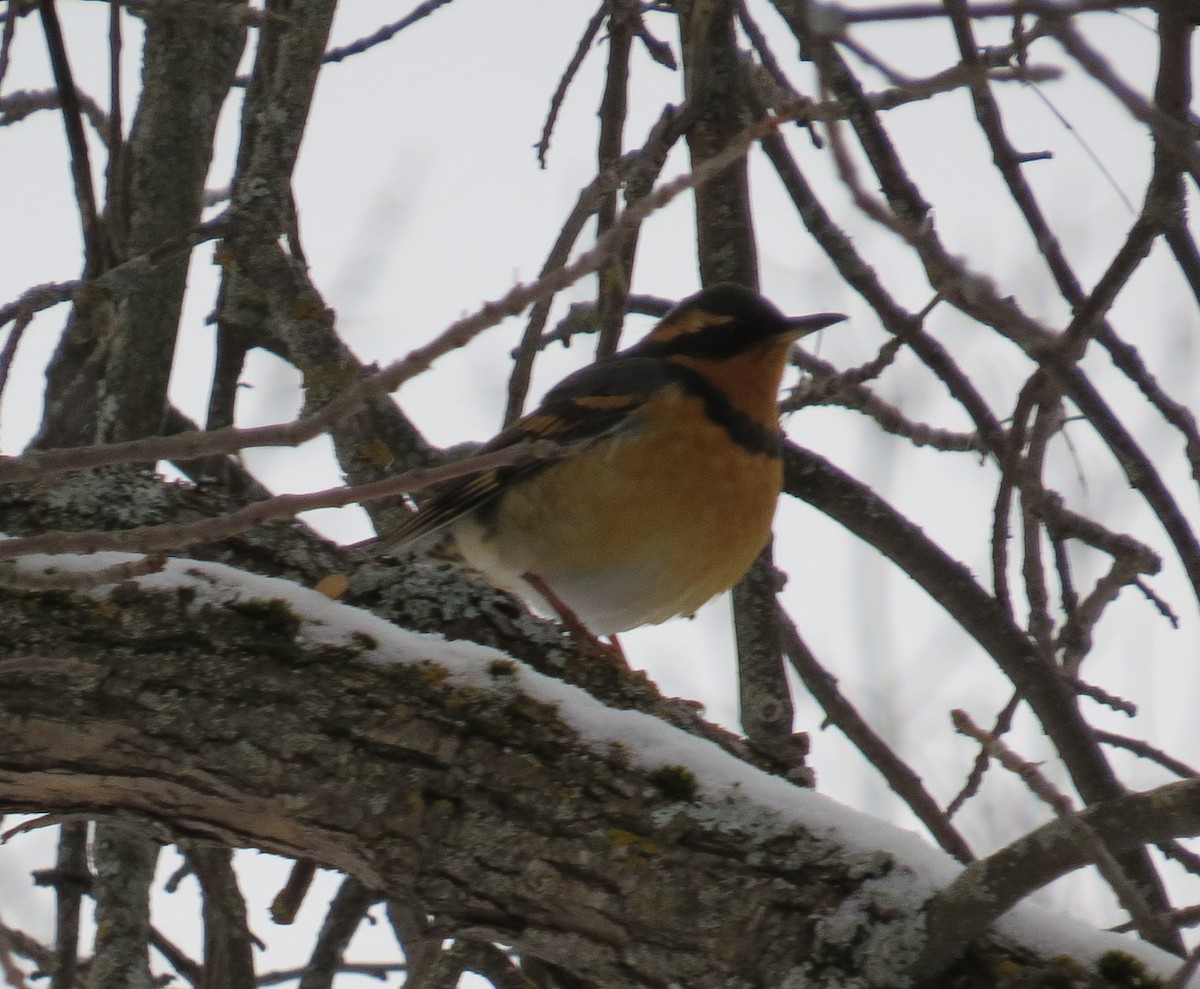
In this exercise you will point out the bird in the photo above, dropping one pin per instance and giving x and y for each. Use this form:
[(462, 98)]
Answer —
[(660, 484)]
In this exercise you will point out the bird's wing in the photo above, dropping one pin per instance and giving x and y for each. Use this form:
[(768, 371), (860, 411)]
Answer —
[(587, 406)]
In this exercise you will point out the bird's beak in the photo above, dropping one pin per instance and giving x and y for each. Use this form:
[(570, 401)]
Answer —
[(802, 326)]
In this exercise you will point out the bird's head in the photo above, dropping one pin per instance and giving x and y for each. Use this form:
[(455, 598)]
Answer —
[(737, 340), (725, 320)]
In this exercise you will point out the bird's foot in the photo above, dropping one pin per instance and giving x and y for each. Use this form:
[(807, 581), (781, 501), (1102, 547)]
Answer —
[(580, 634)]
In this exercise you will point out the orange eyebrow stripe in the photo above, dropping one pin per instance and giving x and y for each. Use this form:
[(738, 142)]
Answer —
[(683, 323)]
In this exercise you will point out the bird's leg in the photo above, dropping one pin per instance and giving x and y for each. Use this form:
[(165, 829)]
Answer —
[(575, 628)]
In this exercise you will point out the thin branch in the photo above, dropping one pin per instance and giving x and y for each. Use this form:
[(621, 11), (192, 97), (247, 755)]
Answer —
[(658, 50), (371, 970), (12, 973), (187, 967), (1089, 313), (828, 386), (114, 132), (6, 41), (1150, 924), (96, 251), (581, 317), (612, 279), (18, 105), (1183, 975), (947, 582), (9, 353), (564, 82), (1046, 422), (288, 900), (900, 777), (357, 47), (342, 919), (29, 947), (1100, 696), (70, 879), (1160, 605), (908, 215), (153, 538), (979, 768), (1092, 155), (1009, 461), (1175, 851), (979, 11), (1147, 751), (385, 33), (519, 378), (39, 297)]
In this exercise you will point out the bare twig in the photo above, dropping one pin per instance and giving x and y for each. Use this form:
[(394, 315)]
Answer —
[(114, 138), (1163, 608), (987, 888), (357, 47), (1150, 924), (70, 879), (371, 970), (16, 106), (613, 277), (519, 378), (6, 40), (1100, 696), (979, 768), (95, 249), (828, 386), (385, 33), (978, 11), (187, 967), (39, 297), (154, 538), (342, 919), (564, 82), (288, 900), (905, 783), (8, 964), (1147, 751), (9, 353)]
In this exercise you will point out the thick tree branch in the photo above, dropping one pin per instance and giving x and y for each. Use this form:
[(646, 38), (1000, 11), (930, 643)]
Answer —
[(423, 772), (409, 776), (986, 889)]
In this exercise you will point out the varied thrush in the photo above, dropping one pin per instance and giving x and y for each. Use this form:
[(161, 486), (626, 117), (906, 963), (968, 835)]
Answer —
[(665, 489)]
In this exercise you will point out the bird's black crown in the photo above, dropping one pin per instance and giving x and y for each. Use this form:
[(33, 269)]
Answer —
[(720, 321)]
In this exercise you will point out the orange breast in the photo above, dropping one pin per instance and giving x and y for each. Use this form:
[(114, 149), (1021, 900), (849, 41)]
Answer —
[(642, 527)]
